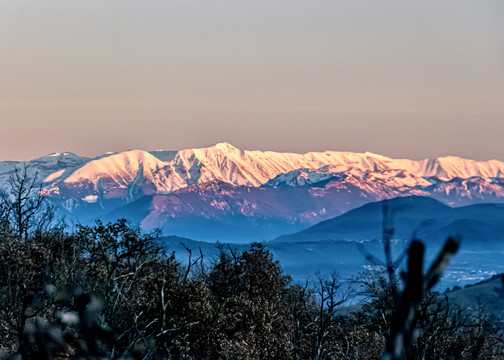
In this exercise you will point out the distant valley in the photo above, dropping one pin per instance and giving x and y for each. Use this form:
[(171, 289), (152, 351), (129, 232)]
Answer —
[(341, 244)]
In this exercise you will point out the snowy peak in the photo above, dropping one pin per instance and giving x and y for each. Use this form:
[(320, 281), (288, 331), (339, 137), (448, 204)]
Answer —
[(128, 169), (390, 178), (224, 147), (464, 168), (225, 163), (119, 165), (303, 177), (45, 167), (63, 159), (63, 154)]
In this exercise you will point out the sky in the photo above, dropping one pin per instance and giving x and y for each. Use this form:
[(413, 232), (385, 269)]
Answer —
[(406, 79)]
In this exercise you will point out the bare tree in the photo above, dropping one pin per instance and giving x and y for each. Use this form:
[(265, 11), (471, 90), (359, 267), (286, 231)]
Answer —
[(23, 203), (331, 295)]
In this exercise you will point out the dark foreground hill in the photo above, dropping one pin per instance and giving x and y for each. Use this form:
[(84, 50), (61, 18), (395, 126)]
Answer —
[(110, 291), (487, 295)]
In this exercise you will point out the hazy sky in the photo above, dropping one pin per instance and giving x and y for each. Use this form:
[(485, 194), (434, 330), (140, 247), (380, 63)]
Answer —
[(401, 78)]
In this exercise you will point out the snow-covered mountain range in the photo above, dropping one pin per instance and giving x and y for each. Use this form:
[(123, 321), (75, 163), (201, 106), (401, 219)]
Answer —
[(232, 188)]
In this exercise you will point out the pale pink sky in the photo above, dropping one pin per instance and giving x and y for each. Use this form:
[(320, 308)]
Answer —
[(404, 79)]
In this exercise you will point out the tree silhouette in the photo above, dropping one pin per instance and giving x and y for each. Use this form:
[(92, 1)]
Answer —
[(23, 203)]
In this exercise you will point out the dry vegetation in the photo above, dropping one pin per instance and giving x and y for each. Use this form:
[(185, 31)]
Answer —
[(111, 292)]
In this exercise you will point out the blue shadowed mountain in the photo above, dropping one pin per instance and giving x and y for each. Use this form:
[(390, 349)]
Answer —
[(412, 216)]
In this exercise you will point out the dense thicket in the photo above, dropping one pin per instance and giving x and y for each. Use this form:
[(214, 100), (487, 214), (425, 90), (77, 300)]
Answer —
[(110, 291)]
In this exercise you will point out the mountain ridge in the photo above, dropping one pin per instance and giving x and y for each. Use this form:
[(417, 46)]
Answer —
[(86, 188), (225, 162)]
